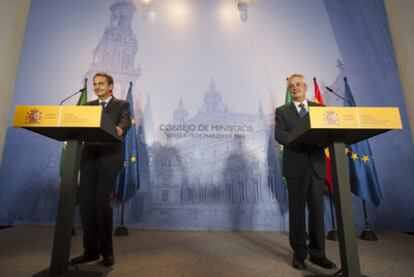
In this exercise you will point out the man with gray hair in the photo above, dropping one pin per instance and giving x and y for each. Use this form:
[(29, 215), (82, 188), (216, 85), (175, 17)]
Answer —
[(305, 172)]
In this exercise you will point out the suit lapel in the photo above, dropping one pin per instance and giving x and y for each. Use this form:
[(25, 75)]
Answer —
[(94, 102), (110, 104), (293, 110)]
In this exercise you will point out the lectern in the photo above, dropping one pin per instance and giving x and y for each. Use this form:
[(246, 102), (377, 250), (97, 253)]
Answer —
[(73, 124), (335, 127)]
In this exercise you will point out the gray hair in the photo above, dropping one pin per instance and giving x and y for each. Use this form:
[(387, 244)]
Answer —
[(299, 76)]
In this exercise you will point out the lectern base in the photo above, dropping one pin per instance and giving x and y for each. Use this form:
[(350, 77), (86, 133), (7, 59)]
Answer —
[(323, 275), (337, 273), (332, 235), (69, 273)]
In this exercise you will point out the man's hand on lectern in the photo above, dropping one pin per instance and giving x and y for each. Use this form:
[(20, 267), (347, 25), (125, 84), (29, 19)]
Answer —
[(119, 131)]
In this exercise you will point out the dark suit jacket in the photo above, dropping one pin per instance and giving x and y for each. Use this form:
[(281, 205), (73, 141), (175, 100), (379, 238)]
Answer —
[(111, 154), (296, 156)]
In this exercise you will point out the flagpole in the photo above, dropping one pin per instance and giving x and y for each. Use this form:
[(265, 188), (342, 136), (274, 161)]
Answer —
[(123, 178), (333, 233), (121, 231), (367, 234)]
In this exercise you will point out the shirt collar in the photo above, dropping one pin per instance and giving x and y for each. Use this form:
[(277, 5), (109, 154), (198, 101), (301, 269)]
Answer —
[(305, 102), (106, 100)]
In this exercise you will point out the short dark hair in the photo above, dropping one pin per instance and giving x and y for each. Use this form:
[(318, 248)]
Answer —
[(106, 76)]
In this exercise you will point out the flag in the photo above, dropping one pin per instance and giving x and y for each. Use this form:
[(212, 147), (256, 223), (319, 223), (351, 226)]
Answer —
[(318, 96), (128, 177), (319, 99), (363, 175), (83, 98), (81, 101), (288, 99)]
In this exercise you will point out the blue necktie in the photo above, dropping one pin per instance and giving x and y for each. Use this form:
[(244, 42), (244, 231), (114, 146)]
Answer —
[(302, 111), (103, 104)]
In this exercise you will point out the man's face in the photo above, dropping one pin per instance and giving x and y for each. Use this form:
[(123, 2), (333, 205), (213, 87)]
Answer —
[(297, 89), (101, 87)]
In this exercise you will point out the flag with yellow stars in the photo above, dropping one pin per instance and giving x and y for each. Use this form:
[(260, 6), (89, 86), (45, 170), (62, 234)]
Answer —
[(363, 175), (128, 178)]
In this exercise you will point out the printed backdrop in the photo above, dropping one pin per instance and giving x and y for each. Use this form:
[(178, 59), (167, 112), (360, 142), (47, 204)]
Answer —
[(207, 76)]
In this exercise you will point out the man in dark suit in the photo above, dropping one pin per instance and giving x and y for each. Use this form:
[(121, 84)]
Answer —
[(100, 163), (305, 172)]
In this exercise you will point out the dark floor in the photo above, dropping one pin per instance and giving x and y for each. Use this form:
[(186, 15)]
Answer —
[(25, 251)]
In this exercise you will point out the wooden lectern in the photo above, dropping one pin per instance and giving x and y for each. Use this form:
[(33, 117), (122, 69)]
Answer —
[(335, 127), (73, 124)]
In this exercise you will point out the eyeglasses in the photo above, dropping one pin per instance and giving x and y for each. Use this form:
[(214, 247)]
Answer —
[(297, 84)]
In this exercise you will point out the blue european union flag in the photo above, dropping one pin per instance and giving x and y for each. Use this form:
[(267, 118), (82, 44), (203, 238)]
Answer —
[(128, 178), (363, 175)]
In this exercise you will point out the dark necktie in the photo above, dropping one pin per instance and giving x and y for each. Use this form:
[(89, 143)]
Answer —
[(302, 111), (103, 104)]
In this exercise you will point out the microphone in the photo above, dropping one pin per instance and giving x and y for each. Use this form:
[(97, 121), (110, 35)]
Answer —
[(346, 100), (70, 96)]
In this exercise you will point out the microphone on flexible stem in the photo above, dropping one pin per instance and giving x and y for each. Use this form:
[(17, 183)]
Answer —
[(346, 100), (70, 96)]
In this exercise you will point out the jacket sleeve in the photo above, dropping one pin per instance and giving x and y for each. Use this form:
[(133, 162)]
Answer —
[(124, 120), (281, 133)]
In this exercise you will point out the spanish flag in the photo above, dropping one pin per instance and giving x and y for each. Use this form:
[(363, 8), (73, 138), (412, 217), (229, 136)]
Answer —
[(318, 99)]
